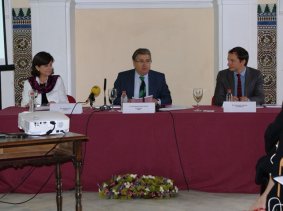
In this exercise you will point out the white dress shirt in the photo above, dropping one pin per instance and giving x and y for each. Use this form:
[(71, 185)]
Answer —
[(138, 84)]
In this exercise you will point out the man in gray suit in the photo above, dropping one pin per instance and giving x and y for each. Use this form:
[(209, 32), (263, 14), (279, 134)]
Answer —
[(245, 83)]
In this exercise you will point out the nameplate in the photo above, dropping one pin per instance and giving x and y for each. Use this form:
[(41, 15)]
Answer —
[(239, 106), (67, 108), (138, 108)]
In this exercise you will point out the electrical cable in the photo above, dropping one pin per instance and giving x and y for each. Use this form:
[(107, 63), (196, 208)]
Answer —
[(51, 130), (86, 132), (84, 150), (29, 173), (178, 150), (24, 178), (40, 189), (75, 107)]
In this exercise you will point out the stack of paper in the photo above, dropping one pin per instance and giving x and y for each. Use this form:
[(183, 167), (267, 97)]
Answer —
[(272, 105), (147, 99)]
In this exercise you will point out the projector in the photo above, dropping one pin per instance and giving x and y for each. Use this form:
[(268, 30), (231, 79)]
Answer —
[(43, 122)]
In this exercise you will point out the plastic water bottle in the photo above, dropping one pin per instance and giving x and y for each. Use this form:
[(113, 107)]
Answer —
[(31, 100), (124, 99), (229, 96)]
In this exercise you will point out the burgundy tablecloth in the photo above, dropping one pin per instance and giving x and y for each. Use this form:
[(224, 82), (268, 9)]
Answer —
[(208, 151), (220, 150)]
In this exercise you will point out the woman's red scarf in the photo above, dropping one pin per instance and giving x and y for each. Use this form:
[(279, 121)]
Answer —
[(51, 81)]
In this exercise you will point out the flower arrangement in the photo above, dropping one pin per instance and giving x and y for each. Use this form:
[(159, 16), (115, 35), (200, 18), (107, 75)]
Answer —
[(132, 186)]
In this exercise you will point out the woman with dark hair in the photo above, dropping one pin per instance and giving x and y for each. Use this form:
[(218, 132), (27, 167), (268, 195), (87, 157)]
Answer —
[(50, 88), (268, 167)]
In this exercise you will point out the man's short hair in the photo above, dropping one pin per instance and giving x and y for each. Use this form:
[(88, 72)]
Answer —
[(143, 51), (241, 53)]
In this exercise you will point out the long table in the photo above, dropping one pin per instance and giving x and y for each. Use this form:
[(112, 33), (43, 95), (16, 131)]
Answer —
[(206, 151)]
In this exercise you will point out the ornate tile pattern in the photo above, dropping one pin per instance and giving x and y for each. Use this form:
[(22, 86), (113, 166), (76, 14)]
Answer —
[(22, 48), (267, 43)]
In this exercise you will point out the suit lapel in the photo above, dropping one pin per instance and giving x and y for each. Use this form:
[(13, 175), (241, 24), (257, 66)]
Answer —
[(150, 83), (131, 84), (247, 81), (231, 81)]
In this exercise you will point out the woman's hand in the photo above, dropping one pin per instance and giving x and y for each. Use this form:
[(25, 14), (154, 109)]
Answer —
[(51, 102)]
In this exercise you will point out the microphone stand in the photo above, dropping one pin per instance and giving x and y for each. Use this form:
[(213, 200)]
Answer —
[(105, 106)]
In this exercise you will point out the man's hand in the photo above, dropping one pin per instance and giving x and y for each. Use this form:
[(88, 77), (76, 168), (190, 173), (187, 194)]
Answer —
[(244, 98), (154, 101), (235, 98)]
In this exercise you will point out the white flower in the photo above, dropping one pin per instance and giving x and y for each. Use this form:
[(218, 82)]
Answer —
[(151, 177), (161, 189), (169, 181), (115, 192), (133, 176), (176, 189), (127, 185), (147, 189), (118, 178), (104, 185)]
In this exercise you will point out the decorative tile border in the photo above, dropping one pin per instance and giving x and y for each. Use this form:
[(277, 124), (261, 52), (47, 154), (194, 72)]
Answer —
[(267, 49), (22, 48)]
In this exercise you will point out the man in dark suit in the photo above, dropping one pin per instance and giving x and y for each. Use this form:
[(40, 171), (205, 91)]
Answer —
[(245, 83), (142, 81)]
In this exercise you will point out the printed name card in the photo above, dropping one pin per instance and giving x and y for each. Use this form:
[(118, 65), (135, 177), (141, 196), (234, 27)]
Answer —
[(67, 108), (138, 108), (239, 106)]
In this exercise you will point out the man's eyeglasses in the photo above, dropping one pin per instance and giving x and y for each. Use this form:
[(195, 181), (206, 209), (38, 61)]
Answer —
[(143, 62)]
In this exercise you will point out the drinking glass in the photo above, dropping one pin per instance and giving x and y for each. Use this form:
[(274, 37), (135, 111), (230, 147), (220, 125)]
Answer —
[(112, 94), (197, 93)]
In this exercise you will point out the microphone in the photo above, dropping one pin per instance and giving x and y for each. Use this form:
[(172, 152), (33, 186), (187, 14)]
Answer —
[(105, 106), (94, 92), (104, 84), (105, 91)]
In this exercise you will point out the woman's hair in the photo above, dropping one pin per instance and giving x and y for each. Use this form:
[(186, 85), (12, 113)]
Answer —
[(41, 58)]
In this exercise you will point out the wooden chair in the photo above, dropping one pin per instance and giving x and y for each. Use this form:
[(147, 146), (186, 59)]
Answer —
[(71, 99), (280, 173), (213, 100)]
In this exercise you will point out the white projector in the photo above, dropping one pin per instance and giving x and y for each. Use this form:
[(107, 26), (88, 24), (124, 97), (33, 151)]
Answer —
[(43, 122)]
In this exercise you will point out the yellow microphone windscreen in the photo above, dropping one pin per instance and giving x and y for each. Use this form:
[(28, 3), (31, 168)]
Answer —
[(95, 90)]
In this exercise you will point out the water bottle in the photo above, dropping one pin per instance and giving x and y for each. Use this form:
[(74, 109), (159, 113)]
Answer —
[(124, 99), (31, 100), (229, 96)]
